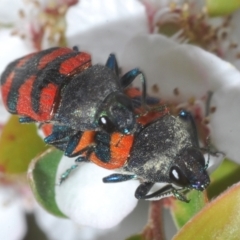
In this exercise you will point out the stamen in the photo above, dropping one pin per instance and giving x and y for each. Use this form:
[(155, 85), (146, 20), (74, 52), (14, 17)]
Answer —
[(196, 27)]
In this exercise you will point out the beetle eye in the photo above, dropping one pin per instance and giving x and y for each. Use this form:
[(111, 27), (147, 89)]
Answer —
[(197, 155), (177, 177), (106, 124), (183, 114)]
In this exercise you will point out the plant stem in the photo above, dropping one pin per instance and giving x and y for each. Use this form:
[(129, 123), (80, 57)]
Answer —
[(154, 230)]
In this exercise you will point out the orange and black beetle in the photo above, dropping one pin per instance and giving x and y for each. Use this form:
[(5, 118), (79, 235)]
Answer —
[(60, 86)]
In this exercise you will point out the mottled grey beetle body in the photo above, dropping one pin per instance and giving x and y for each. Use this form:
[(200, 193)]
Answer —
[(166, 151), (156, 148), (161, 145), (89, 93)]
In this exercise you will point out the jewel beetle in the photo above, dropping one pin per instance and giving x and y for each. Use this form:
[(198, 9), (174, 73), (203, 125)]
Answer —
[(62, 87), (165, 150), (109, 151)]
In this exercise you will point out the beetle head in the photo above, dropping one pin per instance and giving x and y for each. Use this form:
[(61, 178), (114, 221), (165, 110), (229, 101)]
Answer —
[(189, 170), (116, 114)]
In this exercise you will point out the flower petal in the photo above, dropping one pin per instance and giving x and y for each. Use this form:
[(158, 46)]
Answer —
[(10, 15), (232, 52), (12, 219), (170, 65), (194, 72), (11, 47), (66, 228), (88, 201), (104, 27), (224, 122)]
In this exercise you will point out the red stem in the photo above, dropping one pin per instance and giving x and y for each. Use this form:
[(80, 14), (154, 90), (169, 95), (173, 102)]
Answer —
[(154, 229)]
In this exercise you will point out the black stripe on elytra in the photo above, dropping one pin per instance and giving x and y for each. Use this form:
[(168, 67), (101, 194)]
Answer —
[(28, 69), (11, 95), (50, 74), (8, 71), (102, 149)]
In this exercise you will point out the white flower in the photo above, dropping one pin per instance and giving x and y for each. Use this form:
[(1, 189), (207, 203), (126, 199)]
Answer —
[(88, 201), (188, 21), (184, 75), (12, 219), (66, 229), (11, 47), (123, 192), (191, 70), (194, 72), (101, 28)]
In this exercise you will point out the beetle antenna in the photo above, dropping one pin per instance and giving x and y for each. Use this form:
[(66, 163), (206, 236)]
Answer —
[(75, 48), (211, 151), (161, 108), (209, 98), (208, 151)]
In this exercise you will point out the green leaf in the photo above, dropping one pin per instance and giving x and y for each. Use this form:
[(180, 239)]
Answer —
[(218, 220), (42, 178), (135, 237), (19, 144), (225, 176), (222, 7), (182, 212)]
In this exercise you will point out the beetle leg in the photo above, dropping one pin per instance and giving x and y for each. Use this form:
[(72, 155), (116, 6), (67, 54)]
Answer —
[(118, 177), (143, 189), (68, 171), (102, 149), (129, 77), (26, 120), (72, 144), (164, 191), (80, 159), (112, 63), (56, 137), (58, 133), (61, 145), (87, 150), (65, 175), (177, 194)]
